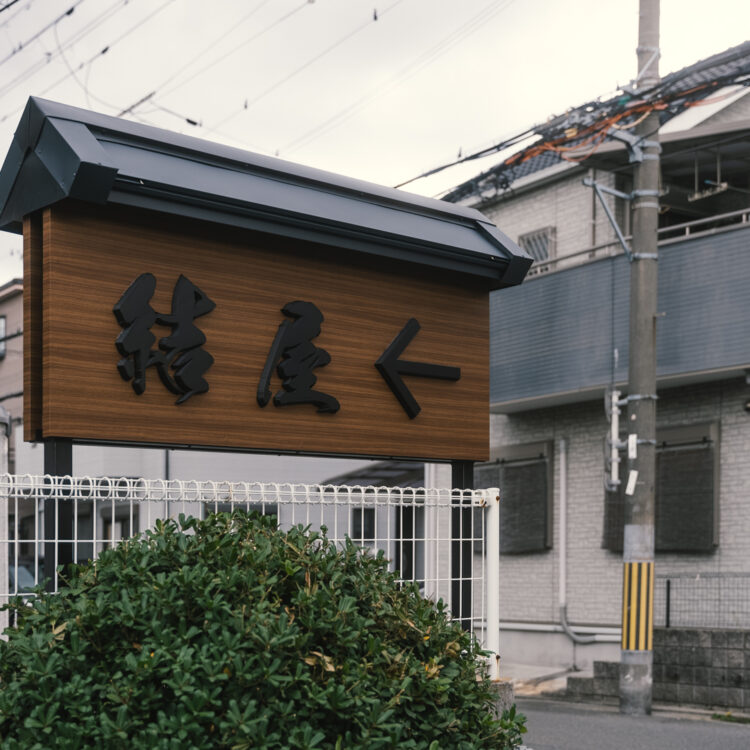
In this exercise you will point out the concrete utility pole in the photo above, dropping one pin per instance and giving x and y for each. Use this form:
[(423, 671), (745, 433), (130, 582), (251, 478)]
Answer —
[(638, 546)]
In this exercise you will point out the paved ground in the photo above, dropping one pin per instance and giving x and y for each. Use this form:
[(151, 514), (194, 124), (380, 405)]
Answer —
[(554, 725), (531, 680)]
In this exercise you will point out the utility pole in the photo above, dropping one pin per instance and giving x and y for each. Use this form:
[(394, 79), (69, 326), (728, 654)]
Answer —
[(638, 546)]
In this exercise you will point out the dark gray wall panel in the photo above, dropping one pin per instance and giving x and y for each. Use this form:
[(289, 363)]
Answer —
[(704, 289), (556, 334)]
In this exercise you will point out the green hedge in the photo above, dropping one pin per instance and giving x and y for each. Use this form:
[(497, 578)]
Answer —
[(229, 633)]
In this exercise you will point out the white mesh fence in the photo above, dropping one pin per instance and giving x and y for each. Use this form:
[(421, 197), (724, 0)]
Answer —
[(435, 537)]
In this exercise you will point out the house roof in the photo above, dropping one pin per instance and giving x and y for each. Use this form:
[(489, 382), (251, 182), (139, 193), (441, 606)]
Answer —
[(731, 136), (383, 474), (63, 152), (674, 93), (9, 288)]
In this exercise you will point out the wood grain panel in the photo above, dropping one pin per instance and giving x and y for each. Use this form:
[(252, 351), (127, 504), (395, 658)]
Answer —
[(32, 326), (90, 260)]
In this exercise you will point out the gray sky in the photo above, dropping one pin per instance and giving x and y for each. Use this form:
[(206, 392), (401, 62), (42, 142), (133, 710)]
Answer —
[(323, 83)]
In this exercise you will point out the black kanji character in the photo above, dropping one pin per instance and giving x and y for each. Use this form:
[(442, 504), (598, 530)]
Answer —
[(180, 350), (295, 357)]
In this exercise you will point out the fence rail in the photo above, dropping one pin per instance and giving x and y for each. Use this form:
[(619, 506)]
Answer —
[(435, 537), (702, 600)]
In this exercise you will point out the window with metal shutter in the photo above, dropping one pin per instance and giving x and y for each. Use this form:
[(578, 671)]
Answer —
[(687, 498), (523, 474)]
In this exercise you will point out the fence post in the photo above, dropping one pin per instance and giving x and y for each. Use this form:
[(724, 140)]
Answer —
[(492, 644), (462, 548)]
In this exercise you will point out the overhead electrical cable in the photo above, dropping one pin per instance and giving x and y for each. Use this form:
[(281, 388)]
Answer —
[(23, 45), (87, 64), (75, 38), (8, 5), (269, 89), (195, 58), (9, 19), (188, 120), (415, 66), (577, 134), (235, 49), (488, 151)]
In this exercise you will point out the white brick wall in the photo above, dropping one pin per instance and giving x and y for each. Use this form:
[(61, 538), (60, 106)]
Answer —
[(566, 205), (529, 583)]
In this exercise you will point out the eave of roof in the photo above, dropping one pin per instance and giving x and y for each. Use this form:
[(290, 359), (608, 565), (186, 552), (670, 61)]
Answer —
[(11, 288), (730, 63), (64, 152), (613, 154), (393, 473)]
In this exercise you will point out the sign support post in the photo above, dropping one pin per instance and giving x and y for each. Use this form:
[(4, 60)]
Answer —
[(58, 516)]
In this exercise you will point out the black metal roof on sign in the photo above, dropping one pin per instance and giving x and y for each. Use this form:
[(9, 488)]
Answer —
[(64, 152)]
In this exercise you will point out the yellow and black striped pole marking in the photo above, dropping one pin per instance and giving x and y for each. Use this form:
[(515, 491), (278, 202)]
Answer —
[(638, 606)]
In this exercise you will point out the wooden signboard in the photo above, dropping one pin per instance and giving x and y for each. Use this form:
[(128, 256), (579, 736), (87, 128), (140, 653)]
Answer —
[(149, 329)]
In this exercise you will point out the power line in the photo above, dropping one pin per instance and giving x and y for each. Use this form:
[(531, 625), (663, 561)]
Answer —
[(72, 71), (578, 133), (8, 5), (80, 34), (188, 120), (223, 57), (101, 53), (418, 64), (304, 66), (12, 16), (197, 57), (500, 146), (251, 39), (18, 48)]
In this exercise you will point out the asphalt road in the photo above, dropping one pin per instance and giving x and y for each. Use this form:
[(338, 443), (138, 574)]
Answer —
[(554, 725)]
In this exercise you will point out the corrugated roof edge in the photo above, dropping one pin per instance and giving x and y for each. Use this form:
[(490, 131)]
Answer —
[(65, 152)]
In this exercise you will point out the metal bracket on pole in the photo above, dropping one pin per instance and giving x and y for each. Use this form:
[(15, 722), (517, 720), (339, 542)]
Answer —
[(599, 189), (632, 87), (588, 182), (635, 145), (632, 143), (641, 397)]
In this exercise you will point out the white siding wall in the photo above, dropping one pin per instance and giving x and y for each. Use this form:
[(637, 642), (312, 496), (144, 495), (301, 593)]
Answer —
[(529, 582), (11, 366), (566, 205)]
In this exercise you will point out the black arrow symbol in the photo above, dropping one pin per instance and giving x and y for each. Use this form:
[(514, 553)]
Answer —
[(392, 368)]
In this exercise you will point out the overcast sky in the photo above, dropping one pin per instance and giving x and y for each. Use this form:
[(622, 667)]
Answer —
[(327, 84)]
